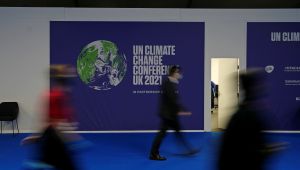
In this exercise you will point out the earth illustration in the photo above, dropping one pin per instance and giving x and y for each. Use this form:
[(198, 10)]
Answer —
[(100, 66)]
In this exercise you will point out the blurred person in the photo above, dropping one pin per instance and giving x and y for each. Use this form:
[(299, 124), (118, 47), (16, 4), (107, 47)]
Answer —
[(170, 108), (52, 141), (213, 95), (61, 112), (243, 143), (295, 119)]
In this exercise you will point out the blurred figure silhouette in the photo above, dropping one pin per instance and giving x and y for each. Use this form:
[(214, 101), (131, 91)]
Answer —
[(170, 108), (52, 148), (243, 144), (295, 119), (61, 113), (213, 90)]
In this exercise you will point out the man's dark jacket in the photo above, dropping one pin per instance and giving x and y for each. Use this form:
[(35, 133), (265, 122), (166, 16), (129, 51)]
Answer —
[(169, 106)]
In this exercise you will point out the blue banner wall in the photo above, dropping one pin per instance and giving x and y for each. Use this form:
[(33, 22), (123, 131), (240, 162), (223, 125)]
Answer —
[(275, 47), (121, 65)]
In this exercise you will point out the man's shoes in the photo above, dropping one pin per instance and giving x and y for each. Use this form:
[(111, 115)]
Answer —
[(157, 157)]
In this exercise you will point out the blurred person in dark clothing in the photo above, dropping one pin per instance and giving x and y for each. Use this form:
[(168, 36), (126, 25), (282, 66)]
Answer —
[(54, 151), (243, 144), (170, 108), (213, 90)]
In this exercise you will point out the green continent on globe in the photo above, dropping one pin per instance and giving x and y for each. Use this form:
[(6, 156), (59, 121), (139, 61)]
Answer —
[(85, 63)]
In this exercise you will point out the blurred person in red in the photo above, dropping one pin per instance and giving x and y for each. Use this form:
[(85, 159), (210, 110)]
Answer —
[(53, 150), (61, 113)]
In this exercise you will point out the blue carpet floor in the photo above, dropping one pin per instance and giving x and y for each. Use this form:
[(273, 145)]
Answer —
[(129, 151)]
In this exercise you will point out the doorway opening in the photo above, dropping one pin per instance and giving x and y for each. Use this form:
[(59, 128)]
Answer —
[(224, 91)]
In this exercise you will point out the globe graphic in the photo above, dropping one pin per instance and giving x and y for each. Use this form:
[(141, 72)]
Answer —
[(100, 66)]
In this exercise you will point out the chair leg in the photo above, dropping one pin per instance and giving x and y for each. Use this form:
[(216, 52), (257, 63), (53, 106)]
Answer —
[(12, 123), (17, 125)]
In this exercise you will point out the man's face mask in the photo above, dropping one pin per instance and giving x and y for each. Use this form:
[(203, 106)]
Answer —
[(178, 76)]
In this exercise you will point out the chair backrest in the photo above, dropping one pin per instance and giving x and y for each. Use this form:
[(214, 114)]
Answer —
[(9, 110)]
